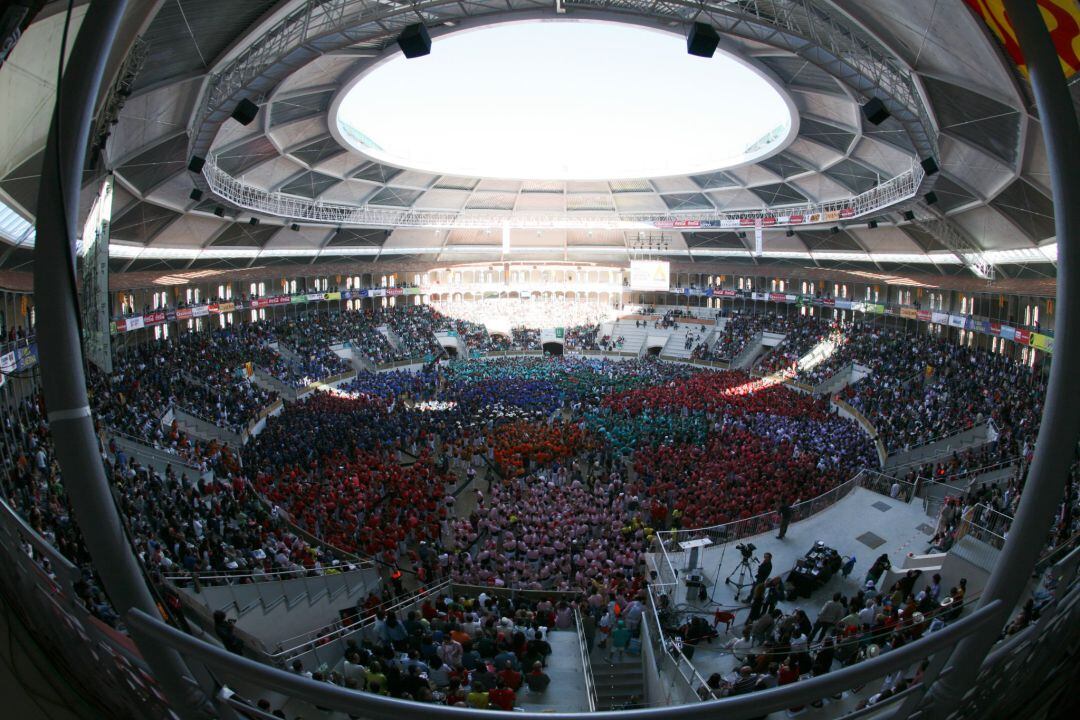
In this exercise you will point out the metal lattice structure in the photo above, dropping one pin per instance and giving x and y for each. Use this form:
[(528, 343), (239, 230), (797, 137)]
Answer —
[(889, 193), (804, 27)]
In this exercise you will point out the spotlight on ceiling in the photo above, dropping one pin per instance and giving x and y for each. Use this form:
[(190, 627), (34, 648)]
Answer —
[(253, 221), (195, 194), (872, 224), (415, 41), (930, 197), (196, 163), (294, 227), (929, 166), (875, 111), (702, 40), (909, 215), (245, 112)]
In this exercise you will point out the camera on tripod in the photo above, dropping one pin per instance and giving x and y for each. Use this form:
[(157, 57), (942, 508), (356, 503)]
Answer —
[(747, 550)]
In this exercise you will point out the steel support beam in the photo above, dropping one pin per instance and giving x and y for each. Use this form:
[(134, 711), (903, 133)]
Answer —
[(1056, 444), (63, 378)]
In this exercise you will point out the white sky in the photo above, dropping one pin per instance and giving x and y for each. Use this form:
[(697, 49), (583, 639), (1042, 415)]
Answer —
[(563, 100)]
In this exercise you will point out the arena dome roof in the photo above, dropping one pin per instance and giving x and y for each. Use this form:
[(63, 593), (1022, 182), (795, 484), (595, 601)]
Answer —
[(567, 102), (951, 92)]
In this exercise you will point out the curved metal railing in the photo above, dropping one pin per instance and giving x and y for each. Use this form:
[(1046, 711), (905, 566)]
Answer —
[(890, 192)]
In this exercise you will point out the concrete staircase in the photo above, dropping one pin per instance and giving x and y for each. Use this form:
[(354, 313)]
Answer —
[(618, 682), (277, 610), (675, 348), (974, 552), (847, 375), (284, 351), (634, 337), (941, 448), (749, 355), (391, 336)]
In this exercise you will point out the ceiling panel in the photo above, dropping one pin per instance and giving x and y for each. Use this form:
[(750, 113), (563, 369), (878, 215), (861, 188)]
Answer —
[(141, 222), (975, 118), (1028, 208), (309, 184), (779, 194)]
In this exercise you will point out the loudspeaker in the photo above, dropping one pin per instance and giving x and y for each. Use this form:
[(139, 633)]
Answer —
[(872, 224), (875, 111), (219, 211), (294, 227), (196, 163), (253, 221), (931, 197), (929, 166), (196, 194), (414, 41), (245, 112), (790, 233), (702, 40), (908, 215), (835, 230)]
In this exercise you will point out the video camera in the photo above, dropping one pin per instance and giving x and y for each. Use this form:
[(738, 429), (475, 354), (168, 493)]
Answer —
[(747, 549)]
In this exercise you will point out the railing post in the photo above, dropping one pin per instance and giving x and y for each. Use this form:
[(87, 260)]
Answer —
[(61, 355), (1056, 443)]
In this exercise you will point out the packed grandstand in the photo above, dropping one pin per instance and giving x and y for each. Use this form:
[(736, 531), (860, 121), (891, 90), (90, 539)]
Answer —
[(374, 359), (511, 468)]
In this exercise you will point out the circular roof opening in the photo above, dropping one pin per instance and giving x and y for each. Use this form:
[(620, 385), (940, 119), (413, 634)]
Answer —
[(564, 100)]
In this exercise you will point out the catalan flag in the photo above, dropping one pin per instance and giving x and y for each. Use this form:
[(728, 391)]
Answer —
[(1062, 19)]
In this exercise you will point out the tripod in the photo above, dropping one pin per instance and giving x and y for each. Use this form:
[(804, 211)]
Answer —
[(744, 568)]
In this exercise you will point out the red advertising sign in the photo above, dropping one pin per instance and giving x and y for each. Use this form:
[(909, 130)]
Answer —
[(995, 328), (212, 307), (778, 297), (847, 212), (795, 219), (155, 318), (686, 223), (767, 221), (1023, 336), (724, 293), (925, 315), (746, 221), (280, 300), (391, 292), (121, 325)]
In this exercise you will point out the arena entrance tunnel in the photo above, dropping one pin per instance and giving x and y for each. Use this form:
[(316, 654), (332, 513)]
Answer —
[(553, 347)]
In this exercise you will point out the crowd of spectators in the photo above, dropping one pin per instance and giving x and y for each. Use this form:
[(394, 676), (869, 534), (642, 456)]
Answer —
[(507, 313), (738, 332)]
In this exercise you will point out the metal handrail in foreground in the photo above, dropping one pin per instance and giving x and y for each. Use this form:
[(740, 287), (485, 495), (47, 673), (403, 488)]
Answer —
[(235, 668), (586, 664)]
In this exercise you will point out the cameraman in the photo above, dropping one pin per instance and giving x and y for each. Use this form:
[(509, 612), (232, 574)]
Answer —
[(764, 570)]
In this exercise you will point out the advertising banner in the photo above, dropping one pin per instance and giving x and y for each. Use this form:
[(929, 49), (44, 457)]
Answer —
[(185, 313), (1042, 342), (650, 275), (939, 318), (7, 363), (200, 311), (909, 313), (924, 315), (957, 321), (1023, 336), (134, 323), (1008, 332), (226, 307)]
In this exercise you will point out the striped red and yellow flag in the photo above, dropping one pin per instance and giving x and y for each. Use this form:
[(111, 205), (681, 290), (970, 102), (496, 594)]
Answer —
[(1062, 18)]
